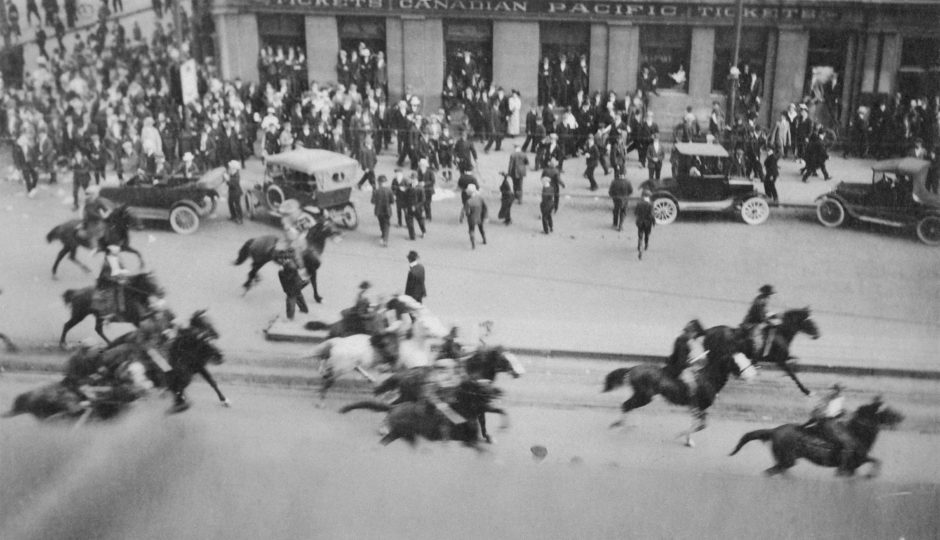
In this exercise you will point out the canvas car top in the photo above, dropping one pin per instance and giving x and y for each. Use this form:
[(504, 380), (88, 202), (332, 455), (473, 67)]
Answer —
[(701, 149)]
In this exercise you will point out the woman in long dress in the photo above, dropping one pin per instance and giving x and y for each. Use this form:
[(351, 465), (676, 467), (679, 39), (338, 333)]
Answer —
[(515, 113)]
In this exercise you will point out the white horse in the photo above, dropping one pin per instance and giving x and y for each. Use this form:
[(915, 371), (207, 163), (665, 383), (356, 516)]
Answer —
[(359, 353)]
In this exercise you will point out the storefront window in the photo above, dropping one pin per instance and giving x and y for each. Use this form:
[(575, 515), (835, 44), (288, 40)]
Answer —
[(824, 68), (468, 55), (664, 56), (361, 59), (282, 59), (919, 75), (563, 65), (751, 57)]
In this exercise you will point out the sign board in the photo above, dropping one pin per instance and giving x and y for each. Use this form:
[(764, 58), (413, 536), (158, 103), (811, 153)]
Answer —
[(190, 88)]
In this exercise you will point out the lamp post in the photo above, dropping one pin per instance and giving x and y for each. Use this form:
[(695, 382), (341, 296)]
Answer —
[(735, 72)]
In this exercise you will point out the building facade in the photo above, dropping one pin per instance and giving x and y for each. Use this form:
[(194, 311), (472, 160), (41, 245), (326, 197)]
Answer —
[(858, 50)]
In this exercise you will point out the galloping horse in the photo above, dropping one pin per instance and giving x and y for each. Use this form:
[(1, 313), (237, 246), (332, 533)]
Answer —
[(264, 249), (117, 228), (648, 380), (484, 364), (792, 322), (138, 290), (412, 419), (189, 354), (791, 442)]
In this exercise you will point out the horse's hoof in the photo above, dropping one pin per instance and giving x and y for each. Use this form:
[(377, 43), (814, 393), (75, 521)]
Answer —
[(178, 408), (618, 423), (226, 403), (690, 443), (318, 299)]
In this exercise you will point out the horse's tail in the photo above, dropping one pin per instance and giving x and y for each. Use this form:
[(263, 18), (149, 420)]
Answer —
[(757, 435), (370, 405), (69, 295), (316, 325), (243, 253), (615, 379)]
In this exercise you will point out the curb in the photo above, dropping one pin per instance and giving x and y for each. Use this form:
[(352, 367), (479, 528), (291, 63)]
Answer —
[(290, 371)]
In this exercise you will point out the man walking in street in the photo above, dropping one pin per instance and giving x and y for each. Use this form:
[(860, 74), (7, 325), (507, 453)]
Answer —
[(414, 284), (771, 173), (547, 205), (644, 224), (427, 180), (551, 172), (367, 161), (518, 163), (506, 199), (620, 191), (592, 158), (654, 157), (233, 180), (292, 285), (382, 199), (414, 206)]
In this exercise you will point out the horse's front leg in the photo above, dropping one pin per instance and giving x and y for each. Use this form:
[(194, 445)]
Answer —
[(252, 275), (313, 282), (58, 258), (99, 328), (69, 324), (875, 466), (698, 424), (209, 379), (73, 256), (792, 374), (636, 401), (328, 377), (11, 347)]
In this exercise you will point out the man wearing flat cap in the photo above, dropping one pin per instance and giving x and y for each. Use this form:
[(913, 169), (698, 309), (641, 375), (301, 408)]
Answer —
[(756, 320)]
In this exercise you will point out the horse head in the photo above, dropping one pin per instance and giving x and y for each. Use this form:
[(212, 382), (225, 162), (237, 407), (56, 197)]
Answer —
[(123, 220), (487, 362), (202, 326), (800, 320), (875, 413), (322, 230), (146, 285), (193, 350)]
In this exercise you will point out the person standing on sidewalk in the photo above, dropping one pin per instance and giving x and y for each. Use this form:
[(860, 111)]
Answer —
[(414, 284), (644, 223), (771, 173), (518, 163), (506, 199), (815, 157), (547, 205), (382, 199), (654, 157), (233, 180), (620, 191)]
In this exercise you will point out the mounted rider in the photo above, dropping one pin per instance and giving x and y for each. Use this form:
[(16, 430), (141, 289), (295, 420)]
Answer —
[(760, 325), (361, 317), (96, 211), (109, 292), (828, 418), (440, 388), (688, 355)]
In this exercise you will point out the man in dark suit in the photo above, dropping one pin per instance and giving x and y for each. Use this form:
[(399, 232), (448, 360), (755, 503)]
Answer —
[(382, 199), (414, 285), (518, 163), (531, 120)]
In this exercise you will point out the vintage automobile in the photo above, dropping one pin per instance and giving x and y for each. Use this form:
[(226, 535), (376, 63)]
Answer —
[(700, 183), (181, 201), (898, 196), (315, 179)]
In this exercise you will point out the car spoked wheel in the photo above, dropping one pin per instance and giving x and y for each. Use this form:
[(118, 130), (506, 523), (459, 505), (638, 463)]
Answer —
[(184, 220), (665, 211), (274, 196), (755, 211), (928, 230), (349, 217), (830, 212), (208, 205)]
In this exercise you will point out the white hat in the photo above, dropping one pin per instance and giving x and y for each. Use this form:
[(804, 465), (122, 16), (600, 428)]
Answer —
[(92, 190), (188, 156)]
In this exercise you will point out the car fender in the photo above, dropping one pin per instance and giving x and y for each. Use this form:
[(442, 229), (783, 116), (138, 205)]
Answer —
[(187, 203), (667, 194), (849, 211)]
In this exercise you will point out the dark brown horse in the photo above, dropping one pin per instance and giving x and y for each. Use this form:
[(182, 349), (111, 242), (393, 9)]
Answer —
[(190, 353), (264, 249), (137, 293), (792, 322), (791, 442), (116, 231), (648, 380), (414, 419)]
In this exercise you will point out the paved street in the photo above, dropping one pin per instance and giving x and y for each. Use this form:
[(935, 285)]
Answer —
[(274, 466), (581, 289)]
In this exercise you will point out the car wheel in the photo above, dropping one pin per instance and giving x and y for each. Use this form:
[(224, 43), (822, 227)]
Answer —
[(928, 230), (665, 210), (184, 220), (274, 196), (208, 205), (755, 211), (349, 217), (830, 212)]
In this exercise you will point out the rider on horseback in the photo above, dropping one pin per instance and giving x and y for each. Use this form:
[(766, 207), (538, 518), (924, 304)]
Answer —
[(360, 319), (96, 211), (440, 388), (758, 321), (111, 281), (686, 351), (827, 418)]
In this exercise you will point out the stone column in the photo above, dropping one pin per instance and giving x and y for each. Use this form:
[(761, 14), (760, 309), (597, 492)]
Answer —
[(890, 63), (870, 68), (516, 58), (790, 74), (597, 79), (322, 35), (701, 62), (238, 45), (423, 59), (847, 78), (395, 60), (623, 57), (770, 110)]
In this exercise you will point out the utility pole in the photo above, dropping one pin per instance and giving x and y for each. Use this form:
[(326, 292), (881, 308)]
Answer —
[(735, 72)]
